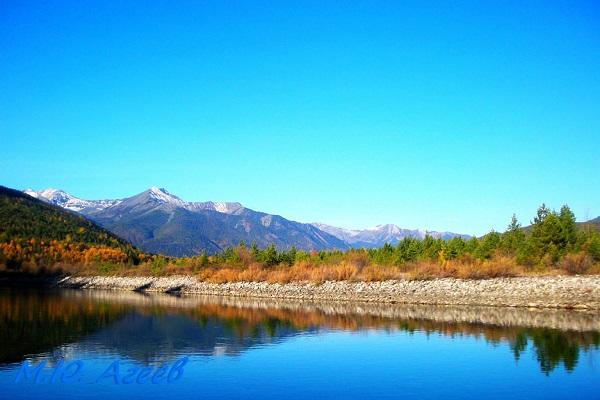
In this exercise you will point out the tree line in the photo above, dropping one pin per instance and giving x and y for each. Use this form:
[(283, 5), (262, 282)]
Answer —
[(553, 241), (551, 236)]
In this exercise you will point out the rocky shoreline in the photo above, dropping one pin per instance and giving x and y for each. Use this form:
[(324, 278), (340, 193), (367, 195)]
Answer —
[(566, 292)]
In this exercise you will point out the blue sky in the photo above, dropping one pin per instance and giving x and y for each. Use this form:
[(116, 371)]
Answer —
[(446, 116)]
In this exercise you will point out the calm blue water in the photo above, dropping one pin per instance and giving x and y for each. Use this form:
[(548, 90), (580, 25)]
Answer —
[(258, 349)]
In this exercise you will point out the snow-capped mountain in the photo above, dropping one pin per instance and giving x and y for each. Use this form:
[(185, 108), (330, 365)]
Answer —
[(153, 195), (378, 235), (160, 222), (65, 200), (160, 195)]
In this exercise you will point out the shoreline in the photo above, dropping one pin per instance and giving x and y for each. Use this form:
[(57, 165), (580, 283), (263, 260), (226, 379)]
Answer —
[(558, 292)]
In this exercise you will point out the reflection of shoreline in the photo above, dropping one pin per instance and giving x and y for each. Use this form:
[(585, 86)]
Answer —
[(570, 320), (556, 337), (148, 328)]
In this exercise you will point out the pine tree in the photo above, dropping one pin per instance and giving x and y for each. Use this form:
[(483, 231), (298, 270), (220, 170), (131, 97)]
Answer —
[(269, 256), (543, 225), (542, 213), (254, 250), (568, 226), (514, 225), (488, 245), (513, 239), (454, 248)]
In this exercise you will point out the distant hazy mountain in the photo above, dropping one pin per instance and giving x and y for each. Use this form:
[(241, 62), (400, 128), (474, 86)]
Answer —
[(378, 235), (157, 221), (593, 223)]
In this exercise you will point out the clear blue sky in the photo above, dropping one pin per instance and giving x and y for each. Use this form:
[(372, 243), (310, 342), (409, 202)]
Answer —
[(447, 116)]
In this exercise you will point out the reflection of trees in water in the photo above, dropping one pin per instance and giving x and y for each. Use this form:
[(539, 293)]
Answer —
[(151, 338), (554, 347), (551, 346), (34, 322)]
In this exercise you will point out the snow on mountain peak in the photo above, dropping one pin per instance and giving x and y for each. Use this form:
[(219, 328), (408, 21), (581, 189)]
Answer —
[(222, 207), (155, 194), (163, 196), (227, 208), (31, 192), (49, 194), (377, 235), (65, 200), (158, 190)]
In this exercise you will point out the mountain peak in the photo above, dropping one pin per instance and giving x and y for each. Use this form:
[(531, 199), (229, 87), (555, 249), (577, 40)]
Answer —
[(385, 227), (155, 189), (163, 196), (48, 193), (377, 235), (65, 200)]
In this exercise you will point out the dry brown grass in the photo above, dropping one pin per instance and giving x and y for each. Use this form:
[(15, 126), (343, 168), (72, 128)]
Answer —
[(305, 271), (355, 267), (466, 268), (576, 264)]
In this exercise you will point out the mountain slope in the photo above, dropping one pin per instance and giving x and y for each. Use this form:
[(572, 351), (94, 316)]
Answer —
[(594, 223), (23, 217), (378, 235), (158, 221)]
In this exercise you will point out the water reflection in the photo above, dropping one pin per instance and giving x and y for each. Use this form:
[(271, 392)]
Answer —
[(157, 328)]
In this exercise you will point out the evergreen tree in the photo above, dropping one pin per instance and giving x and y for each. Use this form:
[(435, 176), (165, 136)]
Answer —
[(472, 245), (594, 247), (514, 225), (546, 239), (454, 248), (254, 250), (568, 226), (542, 213), (408, 249), (431, 247), (289, 257), (488, 245), (513, 239), (545, 231), (269, 256)]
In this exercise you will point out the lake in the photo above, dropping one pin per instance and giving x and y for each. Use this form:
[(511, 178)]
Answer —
[(90, 344)]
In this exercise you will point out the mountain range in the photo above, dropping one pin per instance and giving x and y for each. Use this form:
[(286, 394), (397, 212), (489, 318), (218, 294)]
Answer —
[(378, 235), (159, 222)]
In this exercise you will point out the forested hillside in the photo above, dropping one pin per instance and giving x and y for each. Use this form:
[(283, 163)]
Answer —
[(34, 233)]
